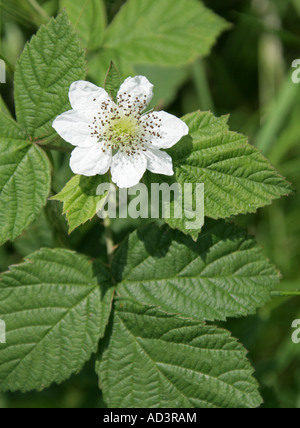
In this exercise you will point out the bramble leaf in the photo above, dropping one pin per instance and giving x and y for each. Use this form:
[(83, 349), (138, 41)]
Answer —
[(163, 32), (88, 18), (157, 360), (80, 199), (154, 38), (56, 306), (237, 178), (25, 177), (224, 274), (112, 81), (50, 62)]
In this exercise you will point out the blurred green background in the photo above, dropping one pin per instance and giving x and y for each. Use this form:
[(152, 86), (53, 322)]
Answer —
[(248, 74)]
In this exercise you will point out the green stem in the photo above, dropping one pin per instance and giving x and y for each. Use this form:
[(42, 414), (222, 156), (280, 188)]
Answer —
[(109, 239), (277, 115), (34, 4), (202, 86), (285, 293)]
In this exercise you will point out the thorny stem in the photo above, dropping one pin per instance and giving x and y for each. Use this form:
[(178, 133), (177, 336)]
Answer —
[(109, 239)]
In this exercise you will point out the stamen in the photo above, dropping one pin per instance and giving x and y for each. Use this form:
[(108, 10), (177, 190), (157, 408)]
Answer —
[(122, 127)]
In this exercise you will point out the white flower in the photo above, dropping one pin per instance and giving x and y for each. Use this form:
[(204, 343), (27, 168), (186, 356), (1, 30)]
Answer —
[(117, 135)]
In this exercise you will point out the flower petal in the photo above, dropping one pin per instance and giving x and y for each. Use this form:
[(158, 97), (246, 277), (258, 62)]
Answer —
[(127, 170), (136, 92), (87, 96), (90, 161), (159, 162), (73, 127), (171, 129)]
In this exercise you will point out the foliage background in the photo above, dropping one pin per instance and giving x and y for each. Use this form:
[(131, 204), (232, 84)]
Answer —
[(247, 75)]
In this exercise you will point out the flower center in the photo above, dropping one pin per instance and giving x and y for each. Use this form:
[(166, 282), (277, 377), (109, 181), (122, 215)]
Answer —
[(121, 126), (126, 128)]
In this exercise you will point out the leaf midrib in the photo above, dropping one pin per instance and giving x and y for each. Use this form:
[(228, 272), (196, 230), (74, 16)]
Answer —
[(48, 332), (155, 364)]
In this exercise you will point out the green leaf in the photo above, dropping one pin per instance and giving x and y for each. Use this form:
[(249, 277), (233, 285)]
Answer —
[(3, 107), (112, 81), (25, 177), (157, 360), (236, 176), (56, 307), (80, 200), (88, 18), (164, 32), (50, 62), (223, 274)]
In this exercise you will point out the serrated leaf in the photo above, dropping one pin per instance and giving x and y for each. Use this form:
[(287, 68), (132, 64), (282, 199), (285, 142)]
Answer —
[(56, 306), (156, 360), (164, 32), (223, 274), (237, 178), (3, 107), (88, 18), (80, 200), (50, 62), (25, 178), (112, 81)]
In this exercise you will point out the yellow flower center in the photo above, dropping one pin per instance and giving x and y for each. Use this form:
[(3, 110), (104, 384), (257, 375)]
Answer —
[(121, 127), (125, 128)]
